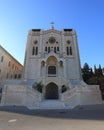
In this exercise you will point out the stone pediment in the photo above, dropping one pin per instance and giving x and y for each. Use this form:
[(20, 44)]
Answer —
[(52, 31)]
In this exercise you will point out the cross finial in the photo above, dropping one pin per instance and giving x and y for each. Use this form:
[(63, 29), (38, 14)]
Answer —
[(52, 25)]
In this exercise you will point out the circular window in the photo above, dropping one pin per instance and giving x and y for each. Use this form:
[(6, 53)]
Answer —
[(68, 41), (52, 40), (35, 42)]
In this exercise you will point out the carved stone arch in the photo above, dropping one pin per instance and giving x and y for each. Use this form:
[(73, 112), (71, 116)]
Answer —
[(51, 60), (53, 54), (51, 81), (51, 64)]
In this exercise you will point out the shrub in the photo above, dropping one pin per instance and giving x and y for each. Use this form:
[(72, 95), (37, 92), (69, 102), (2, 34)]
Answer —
[(38, 86), (64, 88)]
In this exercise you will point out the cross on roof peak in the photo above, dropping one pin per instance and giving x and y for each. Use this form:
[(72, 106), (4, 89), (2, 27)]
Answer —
[(52, 25)]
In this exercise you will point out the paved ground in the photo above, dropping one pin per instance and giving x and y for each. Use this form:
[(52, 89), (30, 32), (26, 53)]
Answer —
[(81, 118)]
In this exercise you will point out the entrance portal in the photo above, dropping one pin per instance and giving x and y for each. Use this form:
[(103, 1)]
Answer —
[(51, 91)]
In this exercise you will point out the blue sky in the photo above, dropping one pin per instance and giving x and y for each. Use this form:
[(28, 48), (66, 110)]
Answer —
[(85, 16)]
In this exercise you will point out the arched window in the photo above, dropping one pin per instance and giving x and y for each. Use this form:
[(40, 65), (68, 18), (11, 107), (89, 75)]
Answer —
[(67, 50), (33, 50), (15, 76), (48, 49), (57, 48), (54, 49), (9, 63), (19, 76), (36, 53), (2, 58), (70, 50)]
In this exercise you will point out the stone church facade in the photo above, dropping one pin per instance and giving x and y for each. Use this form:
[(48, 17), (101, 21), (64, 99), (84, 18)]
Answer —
[(51, 58)]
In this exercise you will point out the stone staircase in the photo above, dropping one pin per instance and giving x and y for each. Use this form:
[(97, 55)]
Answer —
[(50, 104)]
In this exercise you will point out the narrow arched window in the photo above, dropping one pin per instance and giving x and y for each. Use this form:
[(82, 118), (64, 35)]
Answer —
[(19, 76), (9, 63), (48, 49), (2, 58), (15, 76), (55, 49), (67, 50), (36, 53), (33, 50), (70, 50)]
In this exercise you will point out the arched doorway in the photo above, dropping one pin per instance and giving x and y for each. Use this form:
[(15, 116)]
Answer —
[(51, 91)]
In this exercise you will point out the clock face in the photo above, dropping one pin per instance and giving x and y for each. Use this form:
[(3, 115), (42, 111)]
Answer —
[(52, 40)]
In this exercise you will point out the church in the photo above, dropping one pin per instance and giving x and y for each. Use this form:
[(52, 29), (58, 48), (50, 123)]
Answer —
[(52, 74), (52, 58)]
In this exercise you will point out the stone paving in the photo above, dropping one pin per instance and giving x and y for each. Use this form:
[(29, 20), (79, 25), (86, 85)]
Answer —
[(80, 118)]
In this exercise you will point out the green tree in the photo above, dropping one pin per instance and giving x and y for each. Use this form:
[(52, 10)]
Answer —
[(64, 88), (87, 72), (94, 78), (98, 71)]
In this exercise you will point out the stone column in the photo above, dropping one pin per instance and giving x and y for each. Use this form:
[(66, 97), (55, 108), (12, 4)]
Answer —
[(41, 44), (63, 50), (65, 69)]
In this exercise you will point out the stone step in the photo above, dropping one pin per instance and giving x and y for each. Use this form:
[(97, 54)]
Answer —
[(51, 104)]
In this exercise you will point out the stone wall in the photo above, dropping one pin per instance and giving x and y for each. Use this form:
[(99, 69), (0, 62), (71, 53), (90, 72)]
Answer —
[(19, 95), (82, 96)]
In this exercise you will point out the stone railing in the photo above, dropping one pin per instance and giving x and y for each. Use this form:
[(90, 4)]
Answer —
[(90, 94), (68, 94), (19, 95), (33, 97)]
